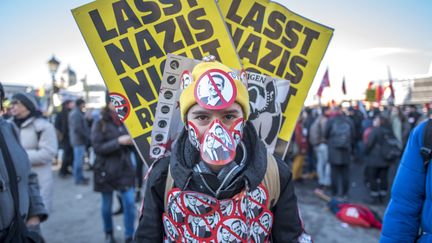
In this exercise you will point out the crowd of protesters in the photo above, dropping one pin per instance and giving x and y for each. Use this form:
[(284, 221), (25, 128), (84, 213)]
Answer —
[(327, 139)]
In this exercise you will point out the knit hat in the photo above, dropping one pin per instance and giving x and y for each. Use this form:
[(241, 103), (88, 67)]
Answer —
[(213, 86), (28, 100)]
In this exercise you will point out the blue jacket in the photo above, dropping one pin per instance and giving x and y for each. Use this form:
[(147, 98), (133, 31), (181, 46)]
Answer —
[(410, 207)]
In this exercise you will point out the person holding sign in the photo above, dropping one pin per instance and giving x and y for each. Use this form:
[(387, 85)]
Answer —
[(113, 169), (208, 162)]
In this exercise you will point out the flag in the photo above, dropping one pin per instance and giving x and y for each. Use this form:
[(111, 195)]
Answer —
[(324, 83), (343, 86), (392, 93), (370, 92)]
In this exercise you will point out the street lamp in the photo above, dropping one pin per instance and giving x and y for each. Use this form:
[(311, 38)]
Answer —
[(53, 65)]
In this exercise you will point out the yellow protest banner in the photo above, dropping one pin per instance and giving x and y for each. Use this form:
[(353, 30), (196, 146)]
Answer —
[(275, 41), (129, 41)]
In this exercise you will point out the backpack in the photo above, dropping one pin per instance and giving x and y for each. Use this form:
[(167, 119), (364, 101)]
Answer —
[(271, 181), (426, 150), (391, 148), (341, 133)]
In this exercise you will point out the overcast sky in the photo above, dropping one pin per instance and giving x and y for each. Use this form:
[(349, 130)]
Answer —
[(369, 36)]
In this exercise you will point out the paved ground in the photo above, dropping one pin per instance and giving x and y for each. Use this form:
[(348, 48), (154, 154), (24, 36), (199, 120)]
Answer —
[(76, 216)]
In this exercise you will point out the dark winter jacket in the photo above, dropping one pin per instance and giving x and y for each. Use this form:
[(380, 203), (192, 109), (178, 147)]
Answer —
[(30, 199), (62, 126), (113, 169), (339, 155), (287, 225), (374, 157)]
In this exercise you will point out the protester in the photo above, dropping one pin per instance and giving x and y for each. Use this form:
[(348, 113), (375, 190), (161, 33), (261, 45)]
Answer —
[(318, 140), (408, 215), (356, 116), (308, 118), (300, 151), (400, 126), (79, 134), (38, 137), (377, 166), (23, 202), (413, 115), (62, 126), (339, 134), (189, 188), (113, 170)]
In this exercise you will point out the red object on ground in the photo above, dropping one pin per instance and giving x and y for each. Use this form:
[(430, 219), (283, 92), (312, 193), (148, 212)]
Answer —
[(353, 214), (356, 214)]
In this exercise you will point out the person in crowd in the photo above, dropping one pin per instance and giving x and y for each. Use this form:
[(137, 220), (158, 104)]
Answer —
[(38, 137), (408, 217), (318, 141), (300, 151), (309, 118), (14, 163), (413, 116), (367, 124), (427, 111), (399, 123), (113, 170), (339, 134), (79, 135), (377, 166), (356, 116), (62, 127), (188, 176)]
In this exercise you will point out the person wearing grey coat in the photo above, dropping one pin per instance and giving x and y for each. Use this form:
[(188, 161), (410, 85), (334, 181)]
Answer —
[(79, 135), (31, 206), (79, 131)]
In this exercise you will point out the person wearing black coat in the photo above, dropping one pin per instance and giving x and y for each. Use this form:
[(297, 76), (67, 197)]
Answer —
[(113, 169), (62, 128), (339, 133), (191, 197), (287, 224), (377, 166)]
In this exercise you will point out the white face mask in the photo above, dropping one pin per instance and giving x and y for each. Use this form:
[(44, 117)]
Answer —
[(217, 145)]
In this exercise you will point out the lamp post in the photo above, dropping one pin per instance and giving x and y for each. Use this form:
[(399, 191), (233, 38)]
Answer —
[(53, 65)]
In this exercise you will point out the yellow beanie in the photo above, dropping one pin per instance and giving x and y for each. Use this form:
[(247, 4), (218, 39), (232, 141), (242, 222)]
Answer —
[(187, 97)]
